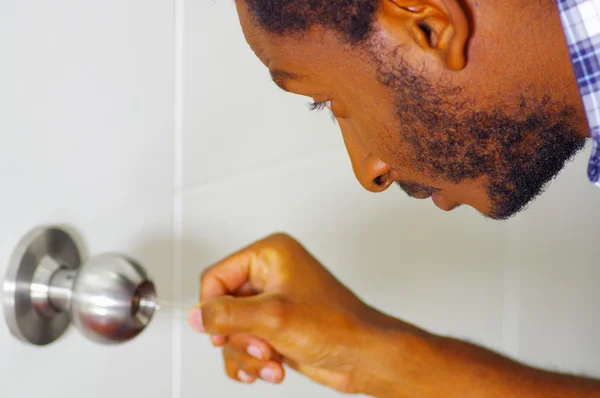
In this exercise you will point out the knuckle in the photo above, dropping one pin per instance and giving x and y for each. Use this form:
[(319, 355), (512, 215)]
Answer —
[(227, 352), (345, 385), (231, 369), (204, 276), (245, 364), (279, 235), (238, 341), (278, 310), (222, 315), (281, 238), (284, 245)]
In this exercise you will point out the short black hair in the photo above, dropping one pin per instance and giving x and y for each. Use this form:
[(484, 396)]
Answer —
[(351, 19)]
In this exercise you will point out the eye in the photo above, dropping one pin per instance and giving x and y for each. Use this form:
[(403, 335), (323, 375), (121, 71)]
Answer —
[(319, 106)]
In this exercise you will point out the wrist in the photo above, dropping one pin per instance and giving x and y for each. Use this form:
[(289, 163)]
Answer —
[(393, 355)]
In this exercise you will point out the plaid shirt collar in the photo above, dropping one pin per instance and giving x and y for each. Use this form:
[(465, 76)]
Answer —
[(581, 22)]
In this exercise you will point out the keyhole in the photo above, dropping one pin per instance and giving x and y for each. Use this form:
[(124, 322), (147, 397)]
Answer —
[(135, 304)]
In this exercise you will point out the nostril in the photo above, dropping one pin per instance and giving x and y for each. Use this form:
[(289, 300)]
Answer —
[(379, 181)]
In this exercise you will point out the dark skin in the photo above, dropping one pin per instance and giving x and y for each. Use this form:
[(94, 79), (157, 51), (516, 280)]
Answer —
[(272, 303), (365, 109)]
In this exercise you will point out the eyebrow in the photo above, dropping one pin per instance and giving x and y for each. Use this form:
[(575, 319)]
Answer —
[(280, 77)]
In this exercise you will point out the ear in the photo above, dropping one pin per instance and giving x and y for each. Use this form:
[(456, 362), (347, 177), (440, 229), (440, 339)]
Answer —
[(441, 26)]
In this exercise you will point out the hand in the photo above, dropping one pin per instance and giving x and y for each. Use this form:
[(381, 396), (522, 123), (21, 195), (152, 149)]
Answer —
[(273, 303)]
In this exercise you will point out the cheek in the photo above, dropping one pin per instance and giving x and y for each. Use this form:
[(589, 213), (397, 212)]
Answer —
[(370, 115), (380, 138), (366, 141), (362, 141)]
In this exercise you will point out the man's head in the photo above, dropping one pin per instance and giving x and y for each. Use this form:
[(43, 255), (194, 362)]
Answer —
[(468, 102)]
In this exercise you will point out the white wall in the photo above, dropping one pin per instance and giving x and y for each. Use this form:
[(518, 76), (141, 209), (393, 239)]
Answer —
[(183, 151)]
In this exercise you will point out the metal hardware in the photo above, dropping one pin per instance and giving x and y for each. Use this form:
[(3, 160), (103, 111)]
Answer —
[(109, 298)]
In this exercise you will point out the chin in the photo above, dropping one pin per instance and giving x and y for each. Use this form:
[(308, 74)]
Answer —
[(499, 216), (489, 213)]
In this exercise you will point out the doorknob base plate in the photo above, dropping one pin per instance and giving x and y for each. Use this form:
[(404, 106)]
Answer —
[(41, 246)]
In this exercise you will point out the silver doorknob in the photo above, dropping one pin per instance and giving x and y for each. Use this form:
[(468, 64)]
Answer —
[(109, 298)]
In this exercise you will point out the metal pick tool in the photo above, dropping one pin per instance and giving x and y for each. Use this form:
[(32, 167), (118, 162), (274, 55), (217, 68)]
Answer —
[(165, 307)]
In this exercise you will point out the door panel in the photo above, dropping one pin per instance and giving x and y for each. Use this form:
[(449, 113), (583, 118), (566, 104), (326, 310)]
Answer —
[(87, 142)]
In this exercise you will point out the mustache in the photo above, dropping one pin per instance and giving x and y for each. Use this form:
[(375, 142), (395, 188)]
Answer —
[(416, 190)]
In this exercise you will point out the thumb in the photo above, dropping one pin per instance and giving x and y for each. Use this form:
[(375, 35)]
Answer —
[(260, 315)]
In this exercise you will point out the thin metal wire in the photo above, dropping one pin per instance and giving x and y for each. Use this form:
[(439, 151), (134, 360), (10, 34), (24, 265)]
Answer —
[(167, 308)]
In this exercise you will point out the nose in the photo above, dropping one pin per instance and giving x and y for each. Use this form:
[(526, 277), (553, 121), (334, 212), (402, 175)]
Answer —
[(372, 173)]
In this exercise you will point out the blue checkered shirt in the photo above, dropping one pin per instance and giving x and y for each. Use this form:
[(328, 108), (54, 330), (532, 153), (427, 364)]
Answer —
[(581, 22)]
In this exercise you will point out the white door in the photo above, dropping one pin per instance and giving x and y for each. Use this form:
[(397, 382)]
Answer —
[(87, 141), (150, 128)]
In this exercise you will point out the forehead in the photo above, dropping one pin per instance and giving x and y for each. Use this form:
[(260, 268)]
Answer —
[(294, 50), (330, 70)]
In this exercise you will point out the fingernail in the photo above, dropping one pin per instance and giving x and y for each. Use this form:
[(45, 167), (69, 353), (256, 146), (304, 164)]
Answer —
[(245, 377), (218, 340), (254, 351), (268, 374), (195, 320)]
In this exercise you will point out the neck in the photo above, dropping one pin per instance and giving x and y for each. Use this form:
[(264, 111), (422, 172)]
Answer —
[(524, 42)]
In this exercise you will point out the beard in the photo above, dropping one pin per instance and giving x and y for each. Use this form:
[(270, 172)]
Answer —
[(518, 154)]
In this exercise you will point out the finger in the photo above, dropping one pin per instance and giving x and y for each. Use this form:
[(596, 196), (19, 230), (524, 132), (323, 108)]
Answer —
[(245, 290), (253, 346), (262, 316), (225, 277), (218, 341), (269, 371), (250, 265), (195, 321), (234, 372), (338, 381)]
